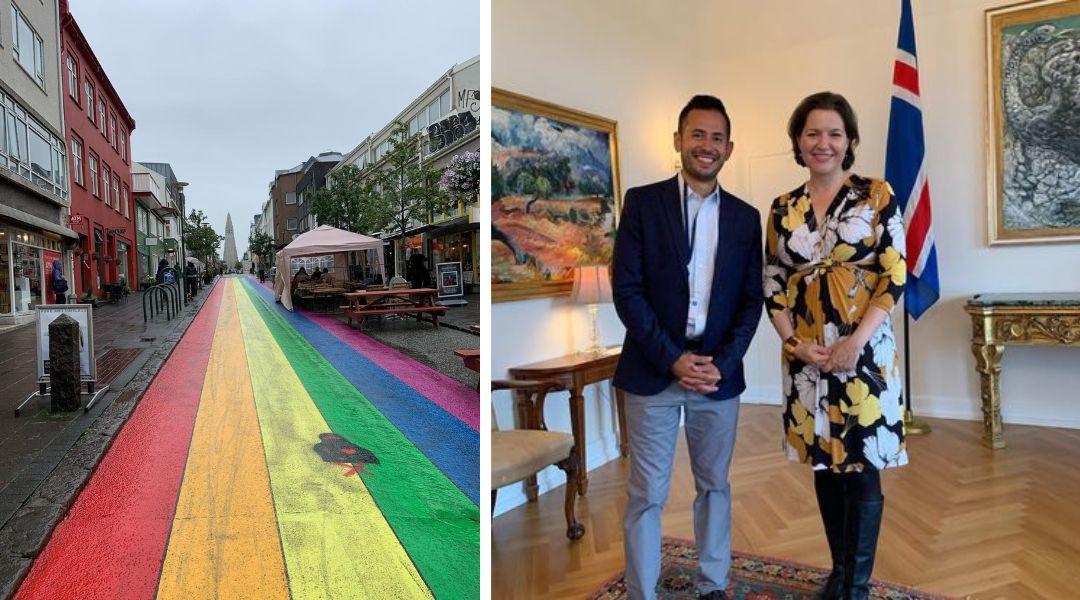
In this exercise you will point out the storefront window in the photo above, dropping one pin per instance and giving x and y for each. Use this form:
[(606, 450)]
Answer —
[(5, 272), (26, 266)]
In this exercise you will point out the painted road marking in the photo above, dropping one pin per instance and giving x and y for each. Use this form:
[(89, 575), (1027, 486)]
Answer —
[(112, 542), (453, 396), (334, 536), (435, 521), (224, 541), (448, 443)]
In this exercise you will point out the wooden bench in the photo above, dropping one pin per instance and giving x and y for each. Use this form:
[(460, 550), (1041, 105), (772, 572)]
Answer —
[(359, 314), (471, 358)]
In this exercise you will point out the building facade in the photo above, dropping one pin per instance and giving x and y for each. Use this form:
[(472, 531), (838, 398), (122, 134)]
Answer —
[(283, 199), (99, 146), (172, 213), (34, 195), (447, 115), (313, 178), (159, 202)]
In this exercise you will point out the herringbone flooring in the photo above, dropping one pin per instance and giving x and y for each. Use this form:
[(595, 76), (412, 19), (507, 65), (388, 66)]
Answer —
[(960, 519)]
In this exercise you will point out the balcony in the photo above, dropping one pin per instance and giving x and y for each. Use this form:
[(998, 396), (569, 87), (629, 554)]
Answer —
[(147, 191)]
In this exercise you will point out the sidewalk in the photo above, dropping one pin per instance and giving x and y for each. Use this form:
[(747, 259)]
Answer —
[(128, 354)]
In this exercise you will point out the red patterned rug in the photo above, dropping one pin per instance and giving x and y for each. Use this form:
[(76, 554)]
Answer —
[(752, 578)]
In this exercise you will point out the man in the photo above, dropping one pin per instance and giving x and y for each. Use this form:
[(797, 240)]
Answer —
[(687, 286)]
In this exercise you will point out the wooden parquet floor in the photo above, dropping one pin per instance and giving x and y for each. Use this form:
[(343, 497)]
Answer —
[(960, 519)]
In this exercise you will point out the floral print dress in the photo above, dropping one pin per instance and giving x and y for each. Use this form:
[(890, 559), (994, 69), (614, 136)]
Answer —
[(825, 275)]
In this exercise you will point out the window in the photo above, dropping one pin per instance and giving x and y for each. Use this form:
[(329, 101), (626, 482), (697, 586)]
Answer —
[(90, 100), (101, 114), (445, 105), (93, 160), (123, 145), (28, 48), (290, 198), (73, 78), (433, 112), (112, 129), (116, 192), (76, 160), (124, 199), (290, 224), (105, 183)]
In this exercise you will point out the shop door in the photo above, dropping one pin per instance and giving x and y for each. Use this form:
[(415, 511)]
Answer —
[(99, 252)]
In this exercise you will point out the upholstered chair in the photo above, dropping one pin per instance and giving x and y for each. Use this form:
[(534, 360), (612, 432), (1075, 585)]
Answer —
[(518, 453)]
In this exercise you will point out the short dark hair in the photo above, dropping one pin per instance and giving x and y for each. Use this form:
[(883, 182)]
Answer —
[(824, 101), (704, 102)]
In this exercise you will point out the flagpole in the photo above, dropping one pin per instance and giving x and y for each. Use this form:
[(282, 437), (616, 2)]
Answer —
[(912, 425)]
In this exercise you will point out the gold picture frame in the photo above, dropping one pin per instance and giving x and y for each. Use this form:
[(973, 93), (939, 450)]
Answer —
[(1020, 210), (586, 231)]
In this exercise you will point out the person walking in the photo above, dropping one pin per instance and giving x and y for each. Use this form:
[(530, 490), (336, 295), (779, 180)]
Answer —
[(59, 284), (191, 279), (687, 286), (834, 271)]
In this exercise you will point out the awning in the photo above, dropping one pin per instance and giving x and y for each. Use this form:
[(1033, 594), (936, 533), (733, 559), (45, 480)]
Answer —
[(29, 219)]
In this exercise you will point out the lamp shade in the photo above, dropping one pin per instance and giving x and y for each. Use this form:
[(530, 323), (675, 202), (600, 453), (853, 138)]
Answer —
[(592, 285)]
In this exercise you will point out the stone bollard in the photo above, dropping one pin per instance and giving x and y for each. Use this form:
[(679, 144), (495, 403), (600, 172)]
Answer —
[(64, 368)]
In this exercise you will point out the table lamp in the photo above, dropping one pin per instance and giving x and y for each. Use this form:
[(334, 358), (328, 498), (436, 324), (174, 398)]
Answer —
[(592, 285)]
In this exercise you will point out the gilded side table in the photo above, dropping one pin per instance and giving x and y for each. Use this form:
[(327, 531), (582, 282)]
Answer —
[(999, 319)]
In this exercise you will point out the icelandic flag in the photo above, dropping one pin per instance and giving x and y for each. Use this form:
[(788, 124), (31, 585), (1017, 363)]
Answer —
[(905, 170)]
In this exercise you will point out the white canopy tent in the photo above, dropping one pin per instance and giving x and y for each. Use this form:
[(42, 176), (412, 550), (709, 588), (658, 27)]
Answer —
[(321, 241)]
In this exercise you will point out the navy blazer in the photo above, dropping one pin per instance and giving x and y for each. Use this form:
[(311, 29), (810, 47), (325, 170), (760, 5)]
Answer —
[(651, 289)]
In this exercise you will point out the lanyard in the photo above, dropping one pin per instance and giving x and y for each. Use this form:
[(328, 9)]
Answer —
[(691, 228)]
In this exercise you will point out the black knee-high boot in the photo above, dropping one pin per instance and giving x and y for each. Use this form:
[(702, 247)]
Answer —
[(829, 488), (862, 523)]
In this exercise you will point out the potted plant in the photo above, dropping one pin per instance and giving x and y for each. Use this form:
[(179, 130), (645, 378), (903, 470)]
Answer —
[(147, 281), (88, 298)]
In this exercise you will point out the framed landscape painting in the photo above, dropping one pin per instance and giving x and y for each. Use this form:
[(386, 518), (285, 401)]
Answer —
[(1033, 129), (554, 195)]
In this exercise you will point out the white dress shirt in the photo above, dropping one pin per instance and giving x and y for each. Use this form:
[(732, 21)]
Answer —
[(703, 234)]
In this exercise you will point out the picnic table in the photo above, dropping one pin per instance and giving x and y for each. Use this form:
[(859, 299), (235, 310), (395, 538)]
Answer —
[(399, 301)]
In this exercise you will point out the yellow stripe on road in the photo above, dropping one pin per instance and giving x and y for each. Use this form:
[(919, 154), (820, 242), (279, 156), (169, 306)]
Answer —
[(224, 541), (336, 541)]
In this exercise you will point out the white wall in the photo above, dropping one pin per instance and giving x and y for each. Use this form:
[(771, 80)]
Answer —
[(638, 63)]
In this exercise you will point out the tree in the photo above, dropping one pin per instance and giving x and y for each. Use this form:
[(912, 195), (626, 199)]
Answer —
[(352, 203), (201, 239), (261, 245), (409, 185)]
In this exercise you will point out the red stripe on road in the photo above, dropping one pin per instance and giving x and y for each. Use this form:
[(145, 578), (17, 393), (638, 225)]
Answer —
[(906, 76), (919, 226), (112, 543)]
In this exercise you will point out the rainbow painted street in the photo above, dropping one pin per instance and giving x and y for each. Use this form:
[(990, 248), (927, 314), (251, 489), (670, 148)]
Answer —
[(278, 455)]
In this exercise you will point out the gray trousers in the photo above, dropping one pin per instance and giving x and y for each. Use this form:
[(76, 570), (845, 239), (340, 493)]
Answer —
[(653, 427)]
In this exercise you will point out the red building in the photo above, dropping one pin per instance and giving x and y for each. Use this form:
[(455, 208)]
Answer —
[(99, 144)]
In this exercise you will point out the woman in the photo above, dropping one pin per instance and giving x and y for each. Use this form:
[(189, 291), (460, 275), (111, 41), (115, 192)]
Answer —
[(835, 269)]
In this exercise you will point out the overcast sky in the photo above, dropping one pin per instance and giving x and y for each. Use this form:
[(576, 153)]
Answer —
[(229, 91)]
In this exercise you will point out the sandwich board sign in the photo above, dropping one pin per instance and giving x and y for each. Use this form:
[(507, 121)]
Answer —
[(449, 283), (84, 316)]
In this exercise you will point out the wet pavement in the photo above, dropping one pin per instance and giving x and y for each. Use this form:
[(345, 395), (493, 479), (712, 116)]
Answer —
[(277, 454)]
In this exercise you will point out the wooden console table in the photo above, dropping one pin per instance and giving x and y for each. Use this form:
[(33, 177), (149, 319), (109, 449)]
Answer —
[(574, 372), (999, 319)]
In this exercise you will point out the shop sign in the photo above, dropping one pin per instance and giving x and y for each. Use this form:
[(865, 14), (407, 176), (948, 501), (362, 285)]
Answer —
[(75, 220), (448, 280), (116, 230), (83, 315)]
